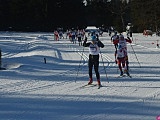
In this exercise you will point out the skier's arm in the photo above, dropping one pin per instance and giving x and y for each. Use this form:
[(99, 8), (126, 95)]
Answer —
[(115, 41), (128, 40), (85, 44), (100, 44)]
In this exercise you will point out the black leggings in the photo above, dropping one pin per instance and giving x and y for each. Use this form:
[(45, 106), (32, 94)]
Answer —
[(93, 61)]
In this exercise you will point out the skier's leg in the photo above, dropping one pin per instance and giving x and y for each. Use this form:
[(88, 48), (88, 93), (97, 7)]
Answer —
[(115, 55), (119, 65), (90, 66), (123, 62), (116, 46), (127, 63), (126, 70), (96, 67)]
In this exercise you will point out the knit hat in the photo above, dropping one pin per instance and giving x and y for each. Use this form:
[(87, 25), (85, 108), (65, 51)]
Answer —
[(93, 38)]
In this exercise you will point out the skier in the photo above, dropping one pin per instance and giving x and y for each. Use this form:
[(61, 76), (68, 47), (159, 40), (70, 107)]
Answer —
[(79, 37), (129, 29), (74, 37), (70, 36), (110, 30), (94, 50), (56, 35), (113, 38), (121, 55), (61, 34)]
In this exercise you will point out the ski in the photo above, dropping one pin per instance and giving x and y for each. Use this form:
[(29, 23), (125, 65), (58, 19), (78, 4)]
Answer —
[(121, 76), (129, 76), (99, 86), (90, 85)]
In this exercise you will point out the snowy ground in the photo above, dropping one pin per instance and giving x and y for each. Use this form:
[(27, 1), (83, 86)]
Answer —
[(33, 90)]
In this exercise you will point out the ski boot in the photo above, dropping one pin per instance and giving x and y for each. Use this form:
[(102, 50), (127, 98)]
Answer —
[(121, 74), (90, 81), (99, 84)]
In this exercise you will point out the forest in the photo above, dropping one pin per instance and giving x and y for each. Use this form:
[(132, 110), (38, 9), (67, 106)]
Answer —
[(48, 15)]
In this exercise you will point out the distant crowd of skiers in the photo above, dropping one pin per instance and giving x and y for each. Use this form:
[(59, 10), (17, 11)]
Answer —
[(73, 35)]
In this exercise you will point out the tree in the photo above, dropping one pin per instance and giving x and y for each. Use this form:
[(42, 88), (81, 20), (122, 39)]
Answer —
[(146, 14), (119, 9)]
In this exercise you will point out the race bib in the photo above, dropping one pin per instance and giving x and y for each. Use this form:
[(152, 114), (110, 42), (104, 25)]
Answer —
[(94, 49)]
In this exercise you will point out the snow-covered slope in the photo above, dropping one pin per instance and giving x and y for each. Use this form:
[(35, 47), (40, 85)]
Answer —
[(33, 90)]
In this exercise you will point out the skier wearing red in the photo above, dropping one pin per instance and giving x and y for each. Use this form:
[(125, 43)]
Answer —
[(113, 38), (94, 50), (121, 54), (56, 35)]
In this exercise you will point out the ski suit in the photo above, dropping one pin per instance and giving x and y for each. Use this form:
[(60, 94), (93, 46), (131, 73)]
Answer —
[(121, 55), (79, 37), (94, 50), (56, 35), (113, 38)]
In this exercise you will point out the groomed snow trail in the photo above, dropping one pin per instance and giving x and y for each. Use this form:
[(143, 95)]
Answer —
[(33, 90)]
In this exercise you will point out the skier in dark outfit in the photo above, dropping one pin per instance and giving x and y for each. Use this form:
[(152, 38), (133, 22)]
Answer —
[(94, 50)]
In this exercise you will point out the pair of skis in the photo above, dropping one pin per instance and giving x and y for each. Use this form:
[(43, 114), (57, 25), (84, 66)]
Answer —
[(99, 86), (125, 76), (91, 85)]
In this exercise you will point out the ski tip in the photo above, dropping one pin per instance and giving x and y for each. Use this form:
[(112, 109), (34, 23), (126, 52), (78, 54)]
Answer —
[(124, 76), (99, 86), (130, 76)]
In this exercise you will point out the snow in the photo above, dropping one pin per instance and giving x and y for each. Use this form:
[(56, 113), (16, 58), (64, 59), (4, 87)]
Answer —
[(33, 90)]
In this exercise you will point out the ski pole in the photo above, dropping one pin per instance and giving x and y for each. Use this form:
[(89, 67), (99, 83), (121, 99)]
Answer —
[(136, 56), (134, 52), (79, 64), (104, 67)]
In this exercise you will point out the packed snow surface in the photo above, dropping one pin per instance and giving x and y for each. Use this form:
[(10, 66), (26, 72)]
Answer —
[(33, 90)]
